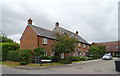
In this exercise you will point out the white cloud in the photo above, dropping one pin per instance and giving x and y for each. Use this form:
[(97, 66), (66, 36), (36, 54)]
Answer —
[(96, 20)]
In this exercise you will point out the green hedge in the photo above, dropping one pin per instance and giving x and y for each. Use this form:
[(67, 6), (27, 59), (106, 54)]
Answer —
[(45, 57), (24, 56), (14, 55), (116, 55), (64, 61), (55, 58), (72, 58), (5, 47)]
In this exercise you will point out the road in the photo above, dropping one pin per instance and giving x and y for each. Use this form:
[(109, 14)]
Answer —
[(91, 67)]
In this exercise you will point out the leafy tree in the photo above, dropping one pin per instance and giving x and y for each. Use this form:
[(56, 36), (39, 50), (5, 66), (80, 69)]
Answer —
[(64, 44), (39, 51), (97, 51), (5, 39)]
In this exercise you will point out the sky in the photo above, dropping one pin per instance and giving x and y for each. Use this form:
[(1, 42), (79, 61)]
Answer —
[(95, 20)]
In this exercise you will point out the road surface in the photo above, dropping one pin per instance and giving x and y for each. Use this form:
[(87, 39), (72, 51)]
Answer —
[(91, 67)]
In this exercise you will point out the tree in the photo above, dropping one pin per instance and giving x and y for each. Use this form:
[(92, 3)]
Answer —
[(64, 44), (5, 39), (39, 51), (97, 51)]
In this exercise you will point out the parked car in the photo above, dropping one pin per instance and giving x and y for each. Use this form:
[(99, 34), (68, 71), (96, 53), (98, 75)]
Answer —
[(107, 57)]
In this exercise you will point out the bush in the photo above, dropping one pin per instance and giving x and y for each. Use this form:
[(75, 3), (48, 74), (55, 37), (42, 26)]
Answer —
[(65, 61), (14, 55), (27, 55), (24, 56), (45, 57), (72, 58), (95, 57), (116, 55), (55, 58), (39, 51), (5, 47), (23, 62)]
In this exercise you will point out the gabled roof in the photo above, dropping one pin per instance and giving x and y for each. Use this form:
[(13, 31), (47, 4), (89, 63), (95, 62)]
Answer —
[(51, 34), (43, 32), (71, 34)]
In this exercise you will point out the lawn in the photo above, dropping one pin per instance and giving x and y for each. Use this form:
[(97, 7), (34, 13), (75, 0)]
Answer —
[(13, 64)]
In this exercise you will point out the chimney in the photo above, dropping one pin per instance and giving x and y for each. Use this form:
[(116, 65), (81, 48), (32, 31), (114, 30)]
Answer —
[(30, 22), (76, 32), (56, 24)]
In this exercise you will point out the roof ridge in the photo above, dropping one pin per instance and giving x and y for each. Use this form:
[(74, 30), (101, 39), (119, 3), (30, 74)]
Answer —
[(42, 28)]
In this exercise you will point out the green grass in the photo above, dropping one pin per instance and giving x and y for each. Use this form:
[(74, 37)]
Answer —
[(13, 64)]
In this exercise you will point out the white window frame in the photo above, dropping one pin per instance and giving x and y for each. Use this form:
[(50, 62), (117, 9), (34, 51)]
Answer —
[(45, 53), (79, 44), (44, 40), (84, 45), (62, 55)]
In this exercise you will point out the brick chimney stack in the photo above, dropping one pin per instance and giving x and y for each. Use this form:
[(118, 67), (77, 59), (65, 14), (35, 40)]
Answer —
[(56, 24), (30, 22), (76, 32)]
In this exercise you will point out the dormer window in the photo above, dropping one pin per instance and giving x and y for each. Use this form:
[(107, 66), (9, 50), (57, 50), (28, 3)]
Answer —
[(44, 40)]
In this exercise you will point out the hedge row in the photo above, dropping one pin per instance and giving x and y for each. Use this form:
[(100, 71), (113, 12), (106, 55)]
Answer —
[(5, 47), (78, 58), (24, 56)]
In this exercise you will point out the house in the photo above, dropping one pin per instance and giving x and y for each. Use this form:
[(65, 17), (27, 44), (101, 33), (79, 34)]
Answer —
[(34, 36), (112, 46)]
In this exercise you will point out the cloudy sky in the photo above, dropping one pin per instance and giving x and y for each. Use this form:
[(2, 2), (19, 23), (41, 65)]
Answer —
[(95, 20)]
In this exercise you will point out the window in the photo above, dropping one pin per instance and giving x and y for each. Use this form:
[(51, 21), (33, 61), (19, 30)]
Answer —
[(62, 55), (79, 44), (84, 45), (52, 54), (88, 46), (44, 40), (116, 46), (45, 53)]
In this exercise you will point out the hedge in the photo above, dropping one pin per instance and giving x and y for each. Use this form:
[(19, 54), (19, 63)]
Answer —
[(24, 56), (5, 47), (64, 61), (72, 58), (14, 55)]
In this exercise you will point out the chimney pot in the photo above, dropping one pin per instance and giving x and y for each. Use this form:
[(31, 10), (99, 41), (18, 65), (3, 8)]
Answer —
[(56, 24), (30, 22), (76, 32)]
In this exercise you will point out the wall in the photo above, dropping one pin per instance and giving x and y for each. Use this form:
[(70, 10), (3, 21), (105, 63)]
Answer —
[(28, 39)]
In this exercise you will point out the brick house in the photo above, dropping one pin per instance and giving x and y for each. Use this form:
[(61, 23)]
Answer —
[(34, 36), (112, 46)]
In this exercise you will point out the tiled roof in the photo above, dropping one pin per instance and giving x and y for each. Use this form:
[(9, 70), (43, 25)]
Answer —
[(43, 32), (60, 30), (51, 34), (112, 46)]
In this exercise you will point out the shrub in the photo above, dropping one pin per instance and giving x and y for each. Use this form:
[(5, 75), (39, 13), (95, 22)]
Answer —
[(39, 51), (55, 58), (14, 55), (64, 61), (27, 55), (45, 57), (5, 47), (24, 56), (116, 55), (72, 58), (23, 62)]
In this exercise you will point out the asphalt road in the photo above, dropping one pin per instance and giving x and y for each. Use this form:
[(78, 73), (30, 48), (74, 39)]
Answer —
[(91, 67)]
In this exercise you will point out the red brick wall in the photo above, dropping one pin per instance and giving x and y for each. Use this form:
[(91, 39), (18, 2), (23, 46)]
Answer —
[(47, 47), (28, 39)]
